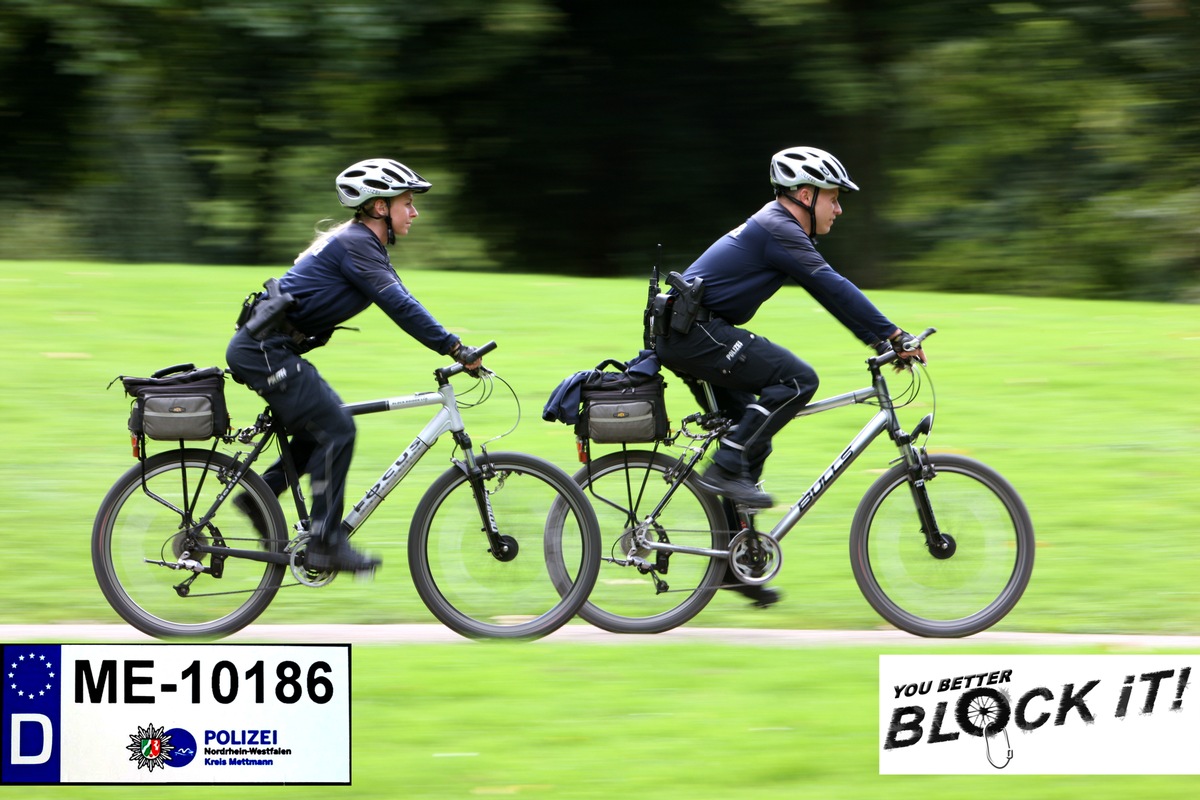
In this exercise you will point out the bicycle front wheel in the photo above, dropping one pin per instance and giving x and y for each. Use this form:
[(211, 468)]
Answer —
[(149, 520), (964, 589), (650, 591), (481, 591)]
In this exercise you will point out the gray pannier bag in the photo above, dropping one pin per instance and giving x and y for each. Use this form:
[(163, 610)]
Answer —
[(178, 403), (622, 407)]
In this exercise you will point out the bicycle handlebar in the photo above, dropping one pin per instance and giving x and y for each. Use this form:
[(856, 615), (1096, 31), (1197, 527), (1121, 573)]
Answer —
[(888, 358), (454, 369)]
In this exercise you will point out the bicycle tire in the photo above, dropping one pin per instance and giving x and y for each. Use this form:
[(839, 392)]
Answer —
[(960, 595), (484, 597), (624, 487), (131, 526)]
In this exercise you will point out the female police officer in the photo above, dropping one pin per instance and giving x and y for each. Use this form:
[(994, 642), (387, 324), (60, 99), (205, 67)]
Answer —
[(340, 274)]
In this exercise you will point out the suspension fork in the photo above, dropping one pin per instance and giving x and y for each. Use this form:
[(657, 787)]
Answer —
[(918, 467), (502, 547), (919, 471)]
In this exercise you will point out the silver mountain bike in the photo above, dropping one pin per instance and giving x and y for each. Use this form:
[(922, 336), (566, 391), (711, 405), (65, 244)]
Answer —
[(191, 542), (941, 545)]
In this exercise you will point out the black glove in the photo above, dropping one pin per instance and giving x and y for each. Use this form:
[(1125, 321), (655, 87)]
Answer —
[(904, 342), (908, 349), (464, 355), (904, 345)]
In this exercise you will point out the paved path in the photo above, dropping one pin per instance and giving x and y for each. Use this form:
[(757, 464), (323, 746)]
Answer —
[(437, 634)]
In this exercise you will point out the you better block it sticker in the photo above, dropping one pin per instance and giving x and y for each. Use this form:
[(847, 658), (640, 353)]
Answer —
[(1029, 714)]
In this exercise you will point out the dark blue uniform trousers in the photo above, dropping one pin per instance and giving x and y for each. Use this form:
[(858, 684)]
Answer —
[(311, 412), (756, 383)]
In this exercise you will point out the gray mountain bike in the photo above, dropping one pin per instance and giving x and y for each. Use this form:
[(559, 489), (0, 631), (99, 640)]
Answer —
[(192, 543), (940, 545)]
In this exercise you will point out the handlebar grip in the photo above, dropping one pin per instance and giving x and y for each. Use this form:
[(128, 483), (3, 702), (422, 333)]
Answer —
[(916, 342), (456, 368), (888, 358)]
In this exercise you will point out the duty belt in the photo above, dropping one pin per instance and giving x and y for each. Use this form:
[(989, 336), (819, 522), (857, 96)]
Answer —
[(289, 330)]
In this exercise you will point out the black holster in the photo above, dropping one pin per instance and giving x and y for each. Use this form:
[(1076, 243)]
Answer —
[(264, 313), (685, 304)]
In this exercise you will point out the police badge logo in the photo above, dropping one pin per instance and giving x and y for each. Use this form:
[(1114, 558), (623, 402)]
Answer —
[(150, 747)]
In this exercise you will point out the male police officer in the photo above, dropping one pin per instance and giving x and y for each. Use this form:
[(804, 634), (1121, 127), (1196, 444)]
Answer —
[(757, 383)]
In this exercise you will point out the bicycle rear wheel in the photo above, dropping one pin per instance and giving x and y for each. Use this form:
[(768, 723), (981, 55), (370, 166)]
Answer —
[(670, 588), (150, 514), (976, 581), (509, 595)]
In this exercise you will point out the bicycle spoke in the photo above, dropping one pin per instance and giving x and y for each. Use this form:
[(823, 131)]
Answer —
[(629, 599), (966, 592), (135, 528), (507, 594)]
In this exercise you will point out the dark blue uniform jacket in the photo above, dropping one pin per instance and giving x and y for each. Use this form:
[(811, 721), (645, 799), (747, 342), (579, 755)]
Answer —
[(342, 275), (744, 268)]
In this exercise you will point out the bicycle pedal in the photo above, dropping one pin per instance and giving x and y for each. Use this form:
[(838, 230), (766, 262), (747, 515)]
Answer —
[(365, 575)]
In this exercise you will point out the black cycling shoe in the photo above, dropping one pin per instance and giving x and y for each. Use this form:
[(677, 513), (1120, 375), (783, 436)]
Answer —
[(720, 481), (243, 504), (761, 595), (339, 557)]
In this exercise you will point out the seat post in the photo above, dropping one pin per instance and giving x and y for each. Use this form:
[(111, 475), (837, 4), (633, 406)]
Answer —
[(709, 397)]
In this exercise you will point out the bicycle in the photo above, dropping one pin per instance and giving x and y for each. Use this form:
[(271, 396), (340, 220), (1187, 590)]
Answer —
[(940, 545), (472, 547)]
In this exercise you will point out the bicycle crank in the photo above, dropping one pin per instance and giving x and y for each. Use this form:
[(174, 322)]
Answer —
[(296, 549), (753, 558)]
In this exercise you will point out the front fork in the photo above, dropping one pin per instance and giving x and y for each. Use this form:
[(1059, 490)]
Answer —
[(920, 471), (502, 547), (941, 545)]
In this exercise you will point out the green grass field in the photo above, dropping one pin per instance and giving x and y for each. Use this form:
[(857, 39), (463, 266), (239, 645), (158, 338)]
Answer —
[(1087, 408)]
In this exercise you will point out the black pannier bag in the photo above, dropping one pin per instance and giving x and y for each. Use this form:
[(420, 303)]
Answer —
[(621, 405), (179, 402), (617, 412)]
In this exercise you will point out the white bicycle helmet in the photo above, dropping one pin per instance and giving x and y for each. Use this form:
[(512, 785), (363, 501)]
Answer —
[(797, 166), (377, 177)]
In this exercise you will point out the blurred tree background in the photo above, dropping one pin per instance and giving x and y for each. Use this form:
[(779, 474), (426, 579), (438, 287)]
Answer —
[(1038, 148)]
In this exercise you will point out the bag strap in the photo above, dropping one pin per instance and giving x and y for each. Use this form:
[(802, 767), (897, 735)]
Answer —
[(165, 371)]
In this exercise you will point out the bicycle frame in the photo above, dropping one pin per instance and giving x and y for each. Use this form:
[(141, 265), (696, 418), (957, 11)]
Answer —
[(447, 419), (884, 420)]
